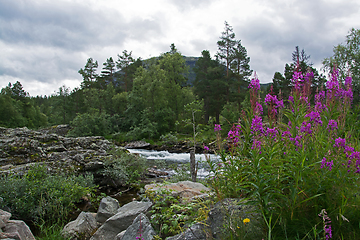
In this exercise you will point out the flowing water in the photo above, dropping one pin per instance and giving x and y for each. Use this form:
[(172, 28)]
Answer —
[(168, 160)]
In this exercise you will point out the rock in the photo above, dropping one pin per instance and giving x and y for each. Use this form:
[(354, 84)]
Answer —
[(121, 220), (237, 210), (120, 235), (82, 227), (137, 144), (141, 227), (195, 232), (108, 207), (183, 189), (17, 229), (4, 218)]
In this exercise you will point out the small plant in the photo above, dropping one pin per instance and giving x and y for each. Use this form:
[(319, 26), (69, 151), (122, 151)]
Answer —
[(170, 216)]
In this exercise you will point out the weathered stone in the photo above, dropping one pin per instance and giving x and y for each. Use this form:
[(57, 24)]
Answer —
[(93, 166), (137, 144), (108, 207), (82, 227), (4, 218), (233, 211), (120, 235), (141, 227), (19, 229), (183, 189), (195, 232), (121, 220)]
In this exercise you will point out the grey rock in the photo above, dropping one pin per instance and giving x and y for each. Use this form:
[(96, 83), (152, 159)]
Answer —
[(183, 189), (195, 232), (108, 207), (82, 227), (120, 235), (141, 227), (121, 220), (231, 211), (18, 230), (4, 218), (137, 144)]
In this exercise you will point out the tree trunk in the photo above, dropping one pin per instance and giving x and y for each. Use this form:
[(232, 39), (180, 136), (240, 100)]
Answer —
[(192, 165)]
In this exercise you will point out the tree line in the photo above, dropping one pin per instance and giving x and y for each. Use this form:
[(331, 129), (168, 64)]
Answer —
[(148, 98)]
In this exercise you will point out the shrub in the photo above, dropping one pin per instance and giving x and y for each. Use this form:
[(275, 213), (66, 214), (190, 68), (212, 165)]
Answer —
[(37, 195), (123, 168), (90, 124)]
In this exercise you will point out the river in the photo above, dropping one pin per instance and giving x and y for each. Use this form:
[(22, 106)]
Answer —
[(167, 159)]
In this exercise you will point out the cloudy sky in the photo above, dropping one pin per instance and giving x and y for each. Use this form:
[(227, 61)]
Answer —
[(43, 43)]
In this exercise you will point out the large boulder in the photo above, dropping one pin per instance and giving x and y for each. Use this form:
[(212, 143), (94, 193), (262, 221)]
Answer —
[(82, 227), (108, 207), (231, 212), (141, 228), (183, 189), (121, 220), (17, 229)]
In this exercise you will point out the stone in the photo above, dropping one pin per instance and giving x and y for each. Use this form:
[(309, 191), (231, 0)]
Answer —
[(233, 211), (137, 144), (108, 207), (141, 225), (4, 218), (17, 229), (183, 189), (121, 220), (120, 235), (82, 227), (195, 232)]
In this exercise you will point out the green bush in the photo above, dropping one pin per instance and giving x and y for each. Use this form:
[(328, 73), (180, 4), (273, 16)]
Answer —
[(123, 168), (39, 196), (90, 124)]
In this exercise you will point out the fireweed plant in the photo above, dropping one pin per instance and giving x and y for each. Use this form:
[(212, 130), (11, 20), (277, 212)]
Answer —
[(293, 171)]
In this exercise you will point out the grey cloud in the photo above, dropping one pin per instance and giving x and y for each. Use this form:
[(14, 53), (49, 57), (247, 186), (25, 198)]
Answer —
[(71, 26), (185, 5)]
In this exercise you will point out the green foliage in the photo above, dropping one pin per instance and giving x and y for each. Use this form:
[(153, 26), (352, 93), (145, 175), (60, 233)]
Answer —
[(169, 138), (51, 232), (90, 124), (39, 196), (123, 168), (170, 216)]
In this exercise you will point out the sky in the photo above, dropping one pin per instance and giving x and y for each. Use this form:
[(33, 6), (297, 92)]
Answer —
[(44, 43)]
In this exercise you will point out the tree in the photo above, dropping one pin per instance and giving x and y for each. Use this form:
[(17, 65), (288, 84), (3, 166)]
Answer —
[(123, 63), (241, 72), (226, 47), (107, 74), (210, 85), (175, 69), (226, 51), (89, 73), (301, 61), (346, 58)]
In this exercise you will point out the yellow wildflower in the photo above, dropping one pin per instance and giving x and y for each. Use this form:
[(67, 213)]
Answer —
[(246, 220)]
